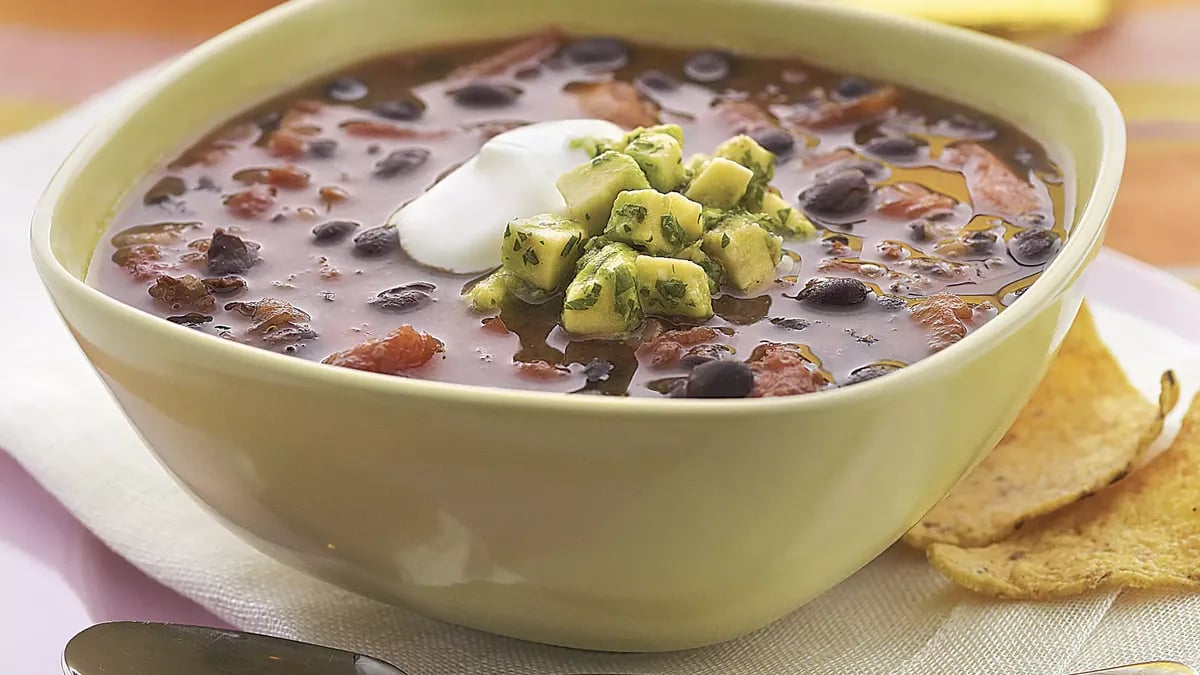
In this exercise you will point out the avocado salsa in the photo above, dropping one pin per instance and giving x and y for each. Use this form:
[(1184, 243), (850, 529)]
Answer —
[(761, 227)]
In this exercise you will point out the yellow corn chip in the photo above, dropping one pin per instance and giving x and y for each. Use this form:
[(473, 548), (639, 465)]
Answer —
[(1143, 532), (1082, 430)]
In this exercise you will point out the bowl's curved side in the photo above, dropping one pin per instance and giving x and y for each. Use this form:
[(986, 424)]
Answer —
[(611, 524), (588, 530)]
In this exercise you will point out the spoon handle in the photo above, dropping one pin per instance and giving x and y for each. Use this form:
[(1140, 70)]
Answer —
[(137, 647)]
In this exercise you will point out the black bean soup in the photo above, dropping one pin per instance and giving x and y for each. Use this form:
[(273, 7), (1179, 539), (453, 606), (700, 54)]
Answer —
[(930, 219)]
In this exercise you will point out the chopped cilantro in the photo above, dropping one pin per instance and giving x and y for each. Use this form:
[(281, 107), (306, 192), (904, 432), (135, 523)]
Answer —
[(624, 280), (672, 291), (672, 230), (569, 246), (586, 302), (635, 211)]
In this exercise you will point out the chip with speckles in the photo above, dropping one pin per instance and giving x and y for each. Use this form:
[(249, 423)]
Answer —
[(1140, 533), (1083, 429)]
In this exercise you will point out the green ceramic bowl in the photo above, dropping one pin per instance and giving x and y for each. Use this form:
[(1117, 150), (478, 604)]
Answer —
[(617, 524)]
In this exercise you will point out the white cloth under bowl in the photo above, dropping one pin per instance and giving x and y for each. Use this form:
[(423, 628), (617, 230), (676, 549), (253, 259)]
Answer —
[(894, 616)]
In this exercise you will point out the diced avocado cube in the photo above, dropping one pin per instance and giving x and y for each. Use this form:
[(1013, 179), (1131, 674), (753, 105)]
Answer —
[(660, 157), (748, 253), (594, 146), (792, 222), (747, 152), (696, 162), (671, 287), (542, 250), (672, 130), (603, 297), (489, 292), (712, 268), (656, 223), (589, 189), (692, 166), (720, 183)]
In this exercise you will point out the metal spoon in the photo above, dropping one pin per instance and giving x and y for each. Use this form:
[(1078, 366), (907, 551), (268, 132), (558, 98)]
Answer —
[(135, 647)]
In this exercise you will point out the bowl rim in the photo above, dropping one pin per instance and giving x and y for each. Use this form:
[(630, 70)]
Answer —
[(1086, 233)]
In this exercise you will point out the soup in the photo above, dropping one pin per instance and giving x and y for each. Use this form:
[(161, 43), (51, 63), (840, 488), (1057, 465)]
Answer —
[(805, 229)]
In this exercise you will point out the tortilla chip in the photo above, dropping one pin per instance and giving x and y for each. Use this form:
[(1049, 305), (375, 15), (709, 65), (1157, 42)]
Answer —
[(1082, 430), (1143, 532)]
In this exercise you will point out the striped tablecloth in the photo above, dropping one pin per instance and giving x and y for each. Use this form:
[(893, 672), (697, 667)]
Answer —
[(54, 53)]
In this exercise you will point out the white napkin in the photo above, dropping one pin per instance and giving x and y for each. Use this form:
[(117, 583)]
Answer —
[(895, 616)]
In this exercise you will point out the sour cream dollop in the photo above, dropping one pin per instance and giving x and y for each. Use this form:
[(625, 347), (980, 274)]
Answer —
[(458, 223)]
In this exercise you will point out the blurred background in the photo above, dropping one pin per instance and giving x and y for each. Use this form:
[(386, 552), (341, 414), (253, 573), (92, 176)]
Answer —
[(55, 53)]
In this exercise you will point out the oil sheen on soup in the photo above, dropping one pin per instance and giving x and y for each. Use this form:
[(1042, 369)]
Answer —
[(890, 225)]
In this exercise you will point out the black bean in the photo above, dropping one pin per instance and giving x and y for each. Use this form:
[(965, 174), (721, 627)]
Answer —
[(401, 111), (164, 190), (850, 88), (921, 230), (190, 319), (701, 354), (1033, 247), (774, 139), (841, 193), (979, 241), (598, 53), (725, 378), (207, 184), (961, 126), (708, 66), (374, 148), (376, 241), (893, 147), (346, 90), (225, 285), (405, 297), (486, 95), (268, 122), (334, 230), (400, 161), (229, 254), (656, 80), (790, 323), (322, 148), (833, 292), (869, 372), (597, 370)]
